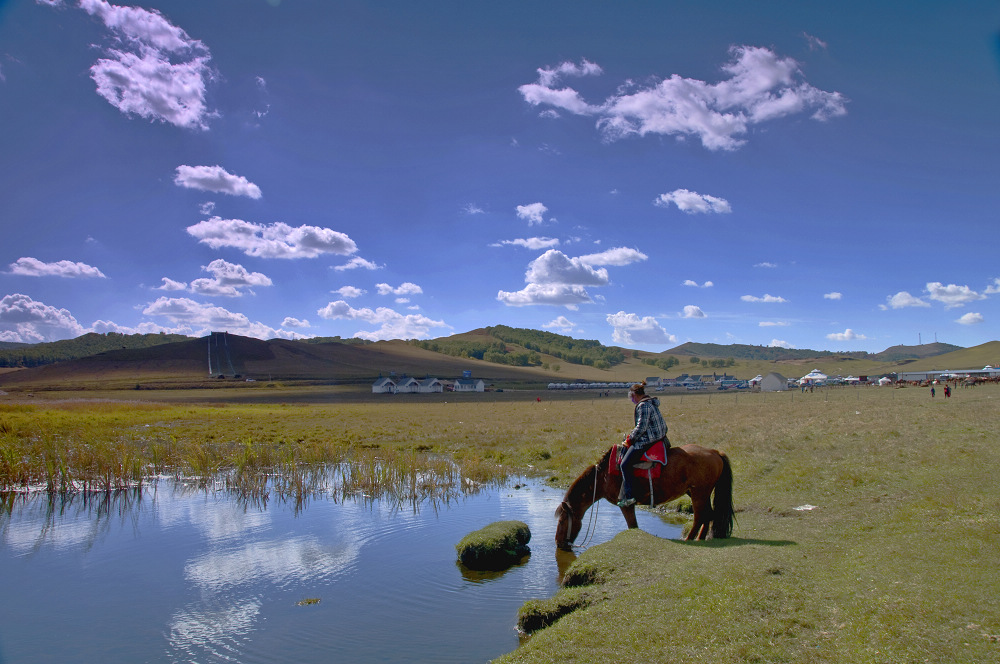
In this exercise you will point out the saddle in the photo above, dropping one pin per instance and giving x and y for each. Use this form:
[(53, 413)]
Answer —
[(652, 462)]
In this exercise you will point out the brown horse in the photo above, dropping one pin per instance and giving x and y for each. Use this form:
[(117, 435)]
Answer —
[(691, 469)]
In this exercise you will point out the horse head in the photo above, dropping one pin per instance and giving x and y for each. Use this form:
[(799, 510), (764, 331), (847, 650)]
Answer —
[(567, 527)]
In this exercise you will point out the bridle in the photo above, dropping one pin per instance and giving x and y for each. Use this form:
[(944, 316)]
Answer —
[(568, 510)]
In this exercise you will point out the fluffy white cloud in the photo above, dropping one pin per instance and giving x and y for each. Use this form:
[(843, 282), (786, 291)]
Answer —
[(160, 73), (765, 264), (25, 320), (294, 322), (560, 323), (227, 279), (531, 243), (405, 288), (772, 323), (171, 285), (767, 298), (778, 343), (694, 284), (567, 99), (691, 311), (562, 295), (394, 325), (532, 213), (952, 295), (617, 256), (277, 240), (349, 291), (215, 179), (204, 318), (555, 267), (761, 86), (692, 202), (833, 296), (970, 319), (356, 263), (846, 335), (628, 329), (32, 267), (901, 300), (993, 288)]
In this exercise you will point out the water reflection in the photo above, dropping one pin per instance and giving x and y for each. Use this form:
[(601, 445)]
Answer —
[(180, 573)]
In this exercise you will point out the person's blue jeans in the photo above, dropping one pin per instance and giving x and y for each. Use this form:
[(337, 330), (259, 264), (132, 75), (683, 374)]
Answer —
[(632, 456)]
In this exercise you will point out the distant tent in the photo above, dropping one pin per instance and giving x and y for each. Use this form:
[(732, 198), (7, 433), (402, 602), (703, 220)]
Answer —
[(774, 382), (884, 381), (814, 377)]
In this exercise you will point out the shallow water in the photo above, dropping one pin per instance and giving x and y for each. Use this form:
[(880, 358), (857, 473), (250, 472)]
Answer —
[(181, 575)]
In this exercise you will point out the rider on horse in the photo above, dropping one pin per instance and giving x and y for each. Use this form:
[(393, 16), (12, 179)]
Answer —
[(649, 429)]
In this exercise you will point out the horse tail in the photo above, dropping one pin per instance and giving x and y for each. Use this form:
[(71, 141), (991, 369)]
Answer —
[(723, 514)]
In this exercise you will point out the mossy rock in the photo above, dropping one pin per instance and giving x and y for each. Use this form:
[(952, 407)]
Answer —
[(497, 546)]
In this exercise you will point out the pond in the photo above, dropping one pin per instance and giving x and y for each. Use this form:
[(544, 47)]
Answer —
[(176, 574)]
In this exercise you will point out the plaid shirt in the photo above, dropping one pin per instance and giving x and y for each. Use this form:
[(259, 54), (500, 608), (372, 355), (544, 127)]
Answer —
[(649, 424)]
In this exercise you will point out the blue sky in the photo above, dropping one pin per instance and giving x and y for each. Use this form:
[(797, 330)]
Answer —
[(803, 174)]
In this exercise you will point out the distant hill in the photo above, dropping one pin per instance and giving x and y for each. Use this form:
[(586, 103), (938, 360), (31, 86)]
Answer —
[(33, 355), (776, 354)]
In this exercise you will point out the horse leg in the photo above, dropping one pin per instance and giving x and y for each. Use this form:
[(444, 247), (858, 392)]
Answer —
[(629, 514), (702, 505)]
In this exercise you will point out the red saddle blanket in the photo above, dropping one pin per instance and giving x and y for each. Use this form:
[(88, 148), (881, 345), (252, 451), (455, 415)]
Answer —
[(657, 454)]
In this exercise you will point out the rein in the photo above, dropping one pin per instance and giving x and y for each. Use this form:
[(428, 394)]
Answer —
[(593, 513)]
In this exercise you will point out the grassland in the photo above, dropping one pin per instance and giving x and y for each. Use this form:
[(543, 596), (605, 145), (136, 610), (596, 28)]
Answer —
[(892, 557)]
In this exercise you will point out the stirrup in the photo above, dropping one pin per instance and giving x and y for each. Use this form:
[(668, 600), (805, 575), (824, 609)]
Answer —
[(626, 502)]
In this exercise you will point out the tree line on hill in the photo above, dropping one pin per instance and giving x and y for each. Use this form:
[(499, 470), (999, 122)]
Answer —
[(535, 344), (34, 355)]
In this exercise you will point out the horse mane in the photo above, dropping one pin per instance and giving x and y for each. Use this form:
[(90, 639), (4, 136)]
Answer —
[(583, 486)]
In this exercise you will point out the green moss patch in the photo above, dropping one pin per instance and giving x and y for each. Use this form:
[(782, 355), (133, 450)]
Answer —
[(497, 546)]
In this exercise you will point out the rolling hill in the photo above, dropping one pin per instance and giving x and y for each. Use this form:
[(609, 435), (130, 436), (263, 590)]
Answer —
[(520, 357)]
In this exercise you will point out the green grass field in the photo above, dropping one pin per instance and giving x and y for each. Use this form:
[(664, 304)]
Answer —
[(868, 527)]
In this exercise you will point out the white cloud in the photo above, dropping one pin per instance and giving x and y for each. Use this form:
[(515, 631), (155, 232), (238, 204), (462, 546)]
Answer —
[(630, 329), (901, 300), (393, 324), (993, 288), (555, 267), (691, 311), (846, 335), (204, 318), (406, 288), (533, 243), (349, 291), (970, 319), (772, 323), (161, 77), (617, 256), (532, 213), (567, 99), (765, 264), (171, 285), (694, 284), (692, 202), (25, 320), (833, 296), (472, 208), (560, 323), (815, 43), (563, 295), (227, 279), (215, 179), (761, 87), (294, 322), (767, 298), (32, 267), (277, 240), (356, 263), (952, 295), (778, 343)]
